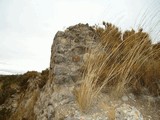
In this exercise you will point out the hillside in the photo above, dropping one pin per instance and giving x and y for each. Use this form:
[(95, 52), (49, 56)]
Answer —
[(95, 73)]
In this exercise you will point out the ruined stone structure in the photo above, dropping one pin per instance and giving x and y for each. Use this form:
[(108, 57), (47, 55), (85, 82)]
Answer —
[(56, 100), (67, 56), (67, 53)]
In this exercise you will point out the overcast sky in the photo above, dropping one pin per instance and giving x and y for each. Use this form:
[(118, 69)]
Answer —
[(27, 27)]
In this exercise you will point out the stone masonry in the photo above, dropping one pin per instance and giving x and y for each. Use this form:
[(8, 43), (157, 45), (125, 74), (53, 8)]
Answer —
[(67, 53), (67, 57)]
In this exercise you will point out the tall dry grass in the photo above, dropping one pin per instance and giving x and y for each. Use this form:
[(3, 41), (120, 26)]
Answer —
[(118, 63)]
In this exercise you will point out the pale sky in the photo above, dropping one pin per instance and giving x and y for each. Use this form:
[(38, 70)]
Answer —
[(27, 27)]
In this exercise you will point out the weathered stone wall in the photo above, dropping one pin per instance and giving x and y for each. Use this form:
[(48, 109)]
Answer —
[(66, 62), (67, 53)]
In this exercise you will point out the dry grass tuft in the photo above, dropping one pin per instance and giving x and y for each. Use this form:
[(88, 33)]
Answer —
[(118, 63)]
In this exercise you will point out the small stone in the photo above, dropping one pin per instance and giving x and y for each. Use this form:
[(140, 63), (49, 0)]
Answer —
[(74, 68), (62, 79), (131, 96), (85, 56), (63, 41), (76, 40), (79, 50), (60, 70), (75, 76), (59, 58), (125, 98), (76, 58), (60, 49), (14, 105)]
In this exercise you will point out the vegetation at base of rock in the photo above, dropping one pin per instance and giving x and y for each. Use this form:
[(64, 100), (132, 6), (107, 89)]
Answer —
[(16, 84), (120, 62), (20, 82), (44, 77)]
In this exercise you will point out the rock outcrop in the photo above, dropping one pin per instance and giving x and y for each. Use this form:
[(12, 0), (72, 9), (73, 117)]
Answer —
[(67, 53), (57, 101), (67, 56), (55, 98)]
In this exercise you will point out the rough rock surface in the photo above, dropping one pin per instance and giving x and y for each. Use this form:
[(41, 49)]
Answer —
[(66, 63), (128, 112), (67, 53)]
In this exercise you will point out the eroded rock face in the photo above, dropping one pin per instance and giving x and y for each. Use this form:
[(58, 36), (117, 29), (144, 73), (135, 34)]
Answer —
[(67, 57), (67, 53)]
